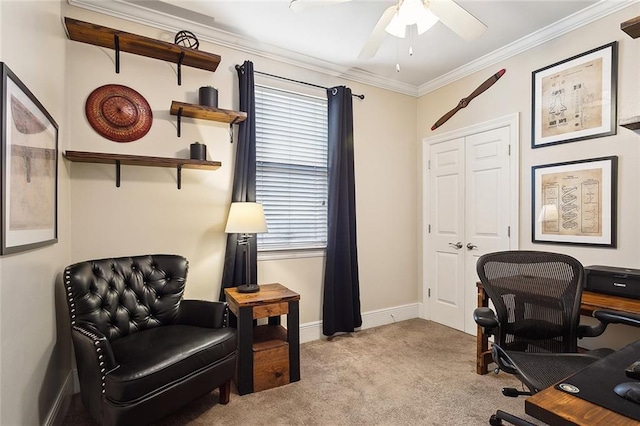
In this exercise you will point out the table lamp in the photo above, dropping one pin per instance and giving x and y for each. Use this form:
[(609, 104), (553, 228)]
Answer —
[(245, 219)]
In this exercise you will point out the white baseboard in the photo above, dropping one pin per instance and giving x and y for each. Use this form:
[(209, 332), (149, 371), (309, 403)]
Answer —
[(61, 404), (313, 330), (424, 314)]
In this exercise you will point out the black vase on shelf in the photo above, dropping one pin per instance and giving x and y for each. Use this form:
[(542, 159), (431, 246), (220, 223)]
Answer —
[(208, 96), (198, 151)]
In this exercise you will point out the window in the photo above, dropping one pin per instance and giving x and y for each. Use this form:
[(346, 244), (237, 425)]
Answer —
[(291, 169)]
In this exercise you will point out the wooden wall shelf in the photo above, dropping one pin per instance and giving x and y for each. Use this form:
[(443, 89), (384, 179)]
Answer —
[(631, 123), (140, 160), (182, 109), (117, 40), (631, 27)]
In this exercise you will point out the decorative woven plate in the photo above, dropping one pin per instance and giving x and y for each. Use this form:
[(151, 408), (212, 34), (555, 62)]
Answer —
[(118, 113)]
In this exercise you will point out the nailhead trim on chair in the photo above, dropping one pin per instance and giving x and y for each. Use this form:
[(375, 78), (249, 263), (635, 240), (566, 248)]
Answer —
[(96, 343), (72, 306)]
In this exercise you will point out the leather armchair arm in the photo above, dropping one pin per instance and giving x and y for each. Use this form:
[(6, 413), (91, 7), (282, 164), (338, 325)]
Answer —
[(203, 313), (94, 359), (486, 319), (93, 345)]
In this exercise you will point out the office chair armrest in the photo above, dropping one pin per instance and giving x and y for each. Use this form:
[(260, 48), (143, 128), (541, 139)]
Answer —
[(615, 317), (486, 319), (591, 330), (203, 313), (607, 317)]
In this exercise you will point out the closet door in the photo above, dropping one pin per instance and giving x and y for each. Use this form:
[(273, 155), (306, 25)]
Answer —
[(469, 203), (486, 206), (446, 246)]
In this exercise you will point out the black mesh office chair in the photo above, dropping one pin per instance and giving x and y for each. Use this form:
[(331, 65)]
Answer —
[(535, 325)]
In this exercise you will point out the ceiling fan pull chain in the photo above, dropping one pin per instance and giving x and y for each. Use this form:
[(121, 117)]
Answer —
[(411, 40)]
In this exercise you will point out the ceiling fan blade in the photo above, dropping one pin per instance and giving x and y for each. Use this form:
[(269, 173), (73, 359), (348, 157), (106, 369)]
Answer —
[(378, 34), (461, 22), (298, 5)]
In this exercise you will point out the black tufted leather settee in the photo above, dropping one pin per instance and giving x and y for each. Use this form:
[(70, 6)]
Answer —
[(141, 350)]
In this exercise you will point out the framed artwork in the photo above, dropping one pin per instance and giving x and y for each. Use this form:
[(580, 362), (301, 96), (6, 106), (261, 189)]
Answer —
[(575, 99), (29, 169), (575, 202)]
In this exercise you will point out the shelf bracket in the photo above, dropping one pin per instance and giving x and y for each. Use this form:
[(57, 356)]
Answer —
[(231, 129), (117, 173), (179, 117), (116, 44), (180, 68), (179, 169)]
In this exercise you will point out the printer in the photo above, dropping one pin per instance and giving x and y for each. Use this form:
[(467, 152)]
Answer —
[(613, 280)]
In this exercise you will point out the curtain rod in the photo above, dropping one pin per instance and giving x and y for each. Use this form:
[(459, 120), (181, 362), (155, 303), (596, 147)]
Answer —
[(296, 81)]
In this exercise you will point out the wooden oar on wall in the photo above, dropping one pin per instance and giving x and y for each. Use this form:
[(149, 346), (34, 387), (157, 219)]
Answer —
[(465, 101)]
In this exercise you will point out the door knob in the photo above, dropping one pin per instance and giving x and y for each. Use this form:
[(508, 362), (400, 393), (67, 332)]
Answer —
[(457, 245), (471, 246)]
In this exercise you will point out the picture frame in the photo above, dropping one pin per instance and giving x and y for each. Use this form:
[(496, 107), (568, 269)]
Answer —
[(29, 158), (575, 202), (575, 99)]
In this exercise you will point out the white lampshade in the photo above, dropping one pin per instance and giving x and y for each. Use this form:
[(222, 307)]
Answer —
[(246, 218)]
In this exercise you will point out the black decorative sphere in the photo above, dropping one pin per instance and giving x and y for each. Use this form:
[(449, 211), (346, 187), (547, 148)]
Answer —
[(187, 39)]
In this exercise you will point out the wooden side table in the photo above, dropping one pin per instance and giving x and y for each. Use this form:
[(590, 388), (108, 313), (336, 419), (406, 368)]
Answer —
[(268, 354)]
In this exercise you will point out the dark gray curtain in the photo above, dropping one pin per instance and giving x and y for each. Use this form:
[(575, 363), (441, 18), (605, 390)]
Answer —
[(341, 304), (244, 184)]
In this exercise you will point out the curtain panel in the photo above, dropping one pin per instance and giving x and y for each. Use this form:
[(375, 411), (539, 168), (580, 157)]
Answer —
[(244, 184), (341, 304)]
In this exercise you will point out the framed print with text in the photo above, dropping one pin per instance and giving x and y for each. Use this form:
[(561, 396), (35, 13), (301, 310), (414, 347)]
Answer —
[(29, 169), (575, 202), (575, 99)]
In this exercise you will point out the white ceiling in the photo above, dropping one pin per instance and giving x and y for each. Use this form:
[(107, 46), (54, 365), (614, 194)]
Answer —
[(330, 37)]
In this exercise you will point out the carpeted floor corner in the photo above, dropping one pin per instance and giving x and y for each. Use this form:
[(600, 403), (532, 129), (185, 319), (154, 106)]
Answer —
[(413, 372)]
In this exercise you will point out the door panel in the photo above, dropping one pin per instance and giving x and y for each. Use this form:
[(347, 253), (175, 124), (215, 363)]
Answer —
[(468, 204), (486, 204), (446, 260)]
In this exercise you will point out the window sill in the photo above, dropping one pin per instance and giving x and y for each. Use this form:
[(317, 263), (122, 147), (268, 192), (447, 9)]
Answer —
[(290, 254)]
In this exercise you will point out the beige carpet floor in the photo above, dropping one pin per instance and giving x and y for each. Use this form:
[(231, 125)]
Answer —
[(413, 372)]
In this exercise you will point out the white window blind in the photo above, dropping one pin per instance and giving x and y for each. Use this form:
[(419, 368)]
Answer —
[(291, 169)]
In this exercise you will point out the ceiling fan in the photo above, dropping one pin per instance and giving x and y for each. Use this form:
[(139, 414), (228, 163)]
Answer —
[(397, 18)]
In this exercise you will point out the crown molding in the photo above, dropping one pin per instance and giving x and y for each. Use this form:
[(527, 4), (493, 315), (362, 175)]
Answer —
[(586, 16), (152, 18), (134, 12)]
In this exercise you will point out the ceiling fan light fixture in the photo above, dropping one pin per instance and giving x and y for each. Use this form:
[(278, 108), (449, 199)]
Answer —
[(397, 27), (411, 12), (425, 20)]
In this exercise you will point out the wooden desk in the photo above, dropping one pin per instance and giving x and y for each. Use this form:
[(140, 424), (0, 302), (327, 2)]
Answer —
[(590, 302), (555, 407), (269, 354)]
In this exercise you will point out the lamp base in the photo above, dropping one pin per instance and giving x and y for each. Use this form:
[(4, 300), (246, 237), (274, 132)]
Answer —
[(248, 288)]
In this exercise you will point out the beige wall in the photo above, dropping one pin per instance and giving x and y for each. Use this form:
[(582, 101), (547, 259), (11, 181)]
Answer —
[(512, 94), (147, 214), (35, 358)]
